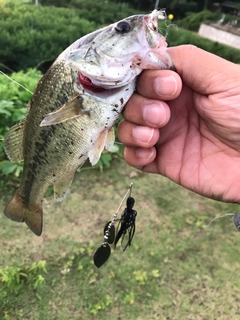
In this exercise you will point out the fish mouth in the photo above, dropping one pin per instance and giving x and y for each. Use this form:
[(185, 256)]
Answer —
[(87, 83), (114, 95), (106, 65), (151, 20)]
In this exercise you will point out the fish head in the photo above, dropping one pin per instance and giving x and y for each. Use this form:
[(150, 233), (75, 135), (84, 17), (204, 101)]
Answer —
[(114, 56)]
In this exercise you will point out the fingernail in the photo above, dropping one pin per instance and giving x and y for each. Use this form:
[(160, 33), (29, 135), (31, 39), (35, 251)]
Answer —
[(165, 86), (145, 153), (143, 134), (154, 114)]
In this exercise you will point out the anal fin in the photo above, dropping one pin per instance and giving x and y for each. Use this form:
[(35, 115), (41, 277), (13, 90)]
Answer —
[(61, 187)]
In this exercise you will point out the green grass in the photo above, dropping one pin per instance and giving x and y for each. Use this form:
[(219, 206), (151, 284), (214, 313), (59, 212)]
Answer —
[(177, 268)]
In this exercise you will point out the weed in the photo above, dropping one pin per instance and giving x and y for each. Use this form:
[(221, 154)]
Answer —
[(14, 278)]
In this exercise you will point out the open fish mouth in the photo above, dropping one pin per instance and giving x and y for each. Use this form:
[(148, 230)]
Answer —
[(112, 93), (87, 83), (97, 84)]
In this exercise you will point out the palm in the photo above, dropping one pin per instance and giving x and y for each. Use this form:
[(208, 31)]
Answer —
[(199, 147), (199, 153)]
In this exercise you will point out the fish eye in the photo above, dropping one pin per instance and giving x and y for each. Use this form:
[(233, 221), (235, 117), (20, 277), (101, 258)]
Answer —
[(123, 26)]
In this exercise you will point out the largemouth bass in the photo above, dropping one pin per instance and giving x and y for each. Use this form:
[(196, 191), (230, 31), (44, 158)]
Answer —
[(74, 108)]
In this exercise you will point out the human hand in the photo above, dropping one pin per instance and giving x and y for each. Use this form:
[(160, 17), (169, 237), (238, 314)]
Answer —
[(186, 125)]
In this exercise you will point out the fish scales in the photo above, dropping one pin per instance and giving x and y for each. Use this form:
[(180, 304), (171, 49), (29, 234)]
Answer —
[(51, 93), (51, 161), (74, 107)]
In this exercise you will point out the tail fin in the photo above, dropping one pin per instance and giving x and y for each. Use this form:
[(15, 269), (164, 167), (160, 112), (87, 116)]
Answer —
[(32, 215)]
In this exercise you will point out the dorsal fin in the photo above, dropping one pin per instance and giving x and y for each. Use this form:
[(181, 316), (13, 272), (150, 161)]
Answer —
[(13, 142)]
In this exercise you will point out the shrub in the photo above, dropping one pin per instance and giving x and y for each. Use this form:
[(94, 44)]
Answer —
[(31, 35), (176, 36), (192, 21), (13, 107)]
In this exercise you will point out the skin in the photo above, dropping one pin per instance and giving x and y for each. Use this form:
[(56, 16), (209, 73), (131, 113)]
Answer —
[(185, 125)]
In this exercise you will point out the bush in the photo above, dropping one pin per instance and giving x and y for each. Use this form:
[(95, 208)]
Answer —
[(101, 12), (14, 98), (13, 108), (31, 35), (179, 8), (192, 21), (176, 37)]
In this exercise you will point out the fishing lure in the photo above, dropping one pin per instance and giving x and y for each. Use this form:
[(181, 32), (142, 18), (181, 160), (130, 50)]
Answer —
[(126, 225), (125, 231)]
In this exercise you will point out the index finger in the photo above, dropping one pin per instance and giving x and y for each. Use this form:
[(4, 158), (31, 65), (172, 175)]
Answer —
[(159, 84)]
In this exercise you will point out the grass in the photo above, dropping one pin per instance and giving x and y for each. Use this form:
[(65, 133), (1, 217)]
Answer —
[(177, 268)]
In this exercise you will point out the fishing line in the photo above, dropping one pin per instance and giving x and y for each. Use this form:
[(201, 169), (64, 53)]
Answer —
[(236, 219), (130, 192), (168, 24), (15, 82), (223, 215)]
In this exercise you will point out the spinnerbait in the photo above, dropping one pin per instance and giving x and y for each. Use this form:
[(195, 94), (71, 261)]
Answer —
[(125, 231)]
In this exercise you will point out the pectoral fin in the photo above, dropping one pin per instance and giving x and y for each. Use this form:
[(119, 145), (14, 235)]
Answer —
[(13, 142), (68, 111)]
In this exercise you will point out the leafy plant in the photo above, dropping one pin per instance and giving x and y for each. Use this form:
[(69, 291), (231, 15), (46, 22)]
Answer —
[(13, 279), (34, 35), (101, 305), (107, 157), (177, 36), (8, 168), (192, 20), (15, 95), (16, 91)]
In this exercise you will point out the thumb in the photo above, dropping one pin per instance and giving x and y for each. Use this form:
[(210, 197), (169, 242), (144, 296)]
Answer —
[(204, 72)]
